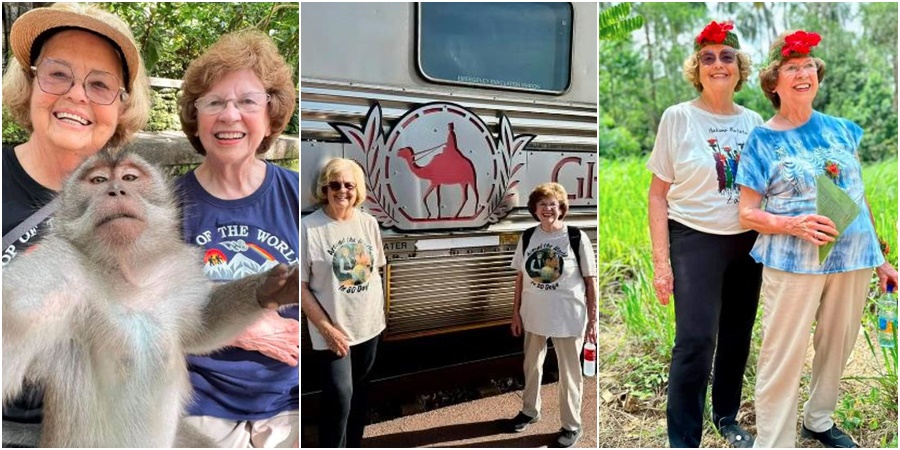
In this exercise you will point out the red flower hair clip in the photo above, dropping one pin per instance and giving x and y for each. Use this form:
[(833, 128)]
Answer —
[(717, 33), (800, 42)]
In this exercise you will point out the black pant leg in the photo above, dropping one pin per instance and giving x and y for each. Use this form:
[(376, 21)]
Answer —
[(740, 298), (337, 393), (698, 270), (363, 361)]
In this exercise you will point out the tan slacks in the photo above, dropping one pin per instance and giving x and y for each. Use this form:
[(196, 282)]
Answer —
[(279, 431), (570, 381), (791, 303)]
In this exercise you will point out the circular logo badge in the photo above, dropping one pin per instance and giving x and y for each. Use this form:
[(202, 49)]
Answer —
[(544, 265), (352, 264)]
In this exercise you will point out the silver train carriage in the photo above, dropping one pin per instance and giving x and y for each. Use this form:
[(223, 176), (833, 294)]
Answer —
[(455, 112)]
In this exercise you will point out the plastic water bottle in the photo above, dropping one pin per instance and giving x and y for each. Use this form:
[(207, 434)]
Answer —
[(589, 367), (887, 318)]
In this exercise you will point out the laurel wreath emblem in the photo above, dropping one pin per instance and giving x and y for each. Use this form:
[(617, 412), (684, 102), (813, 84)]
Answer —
[(370, 142)]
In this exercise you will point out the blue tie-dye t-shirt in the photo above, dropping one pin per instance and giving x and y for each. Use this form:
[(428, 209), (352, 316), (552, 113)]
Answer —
[(782, 166)]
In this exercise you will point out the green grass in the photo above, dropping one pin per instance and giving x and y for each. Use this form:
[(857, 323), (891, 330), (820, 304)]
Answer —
[(628, 300)]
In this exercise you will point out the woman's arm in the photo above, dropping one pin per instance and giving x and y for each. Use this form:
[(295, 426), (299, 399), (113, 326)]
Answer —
[(813, 228), (658, 213), (516, 325), (886, 272), (335, 337), (590, 332)]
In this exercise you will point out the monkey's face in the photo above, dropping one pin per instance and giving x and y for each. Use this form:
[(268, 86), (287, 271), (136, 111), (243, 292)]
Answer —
[(114, 201)]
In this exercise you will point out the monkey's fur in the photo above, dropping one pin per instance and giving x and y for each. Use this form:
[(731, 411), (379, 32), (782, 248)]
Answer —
[(104, 310)]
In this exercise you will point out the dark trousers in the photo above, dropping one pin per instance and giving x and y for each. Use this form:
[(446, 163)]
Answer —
[(344, 392), (716, 294)]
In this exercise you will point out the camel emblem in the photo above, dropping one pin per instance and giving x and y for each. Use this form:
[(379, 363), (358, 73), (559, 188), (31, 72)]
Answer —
[(438, 167), (449, 167)]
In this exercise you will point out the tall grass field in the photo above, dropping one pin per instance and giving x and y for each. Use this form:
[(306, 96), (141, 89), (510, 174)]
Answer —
[(643, 332)]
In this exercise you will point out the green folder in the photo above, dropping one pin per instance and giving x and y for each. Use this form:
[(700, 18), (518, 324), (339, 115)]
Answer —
[(834, 203)]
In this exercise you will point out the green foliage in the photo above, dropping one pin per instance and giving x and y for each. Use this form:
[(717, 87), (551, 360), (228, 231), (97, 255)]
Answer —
[(616, 142), (626, 290), (171, 35), (641, 76), (12, 132), (615, 23)]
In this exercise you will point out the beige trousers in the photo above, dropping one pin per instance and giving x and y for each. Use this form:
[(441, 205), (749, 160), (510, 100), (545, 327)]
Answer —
[(570, 381), (279, 431), (791, 303)]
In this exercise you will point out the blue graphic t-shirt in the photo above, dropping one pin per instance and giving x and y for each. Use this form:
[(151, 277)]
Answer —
[(782, 166), (244, 237)]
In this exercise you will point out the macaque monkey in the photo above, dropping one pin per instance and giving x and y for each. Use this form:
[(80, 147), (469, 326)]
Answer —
[(104, 310)]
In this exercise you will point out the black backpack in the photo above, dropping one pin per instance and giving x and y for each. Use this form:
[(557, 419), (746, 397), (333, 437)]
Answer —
[(574, 241)]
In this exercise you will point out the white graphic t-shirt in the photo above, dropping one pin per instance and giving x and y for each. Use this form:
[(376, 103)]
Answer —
[(553, 291), (340, 261), (698, 153)]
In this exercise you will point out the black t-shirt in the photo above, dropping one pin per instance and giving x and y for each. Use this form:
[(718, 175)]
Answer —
[(22, 196)]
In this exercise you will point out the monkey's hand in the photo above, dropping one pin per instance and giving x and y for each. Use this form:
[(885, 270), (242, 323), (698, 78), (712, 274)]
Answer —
[(280, 286), (273, 336)]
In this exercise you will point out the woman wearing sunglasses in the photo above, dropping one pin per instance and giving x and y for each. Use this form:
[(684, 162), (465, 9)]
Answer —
[(236, 100), (701, 253), (342, 298)]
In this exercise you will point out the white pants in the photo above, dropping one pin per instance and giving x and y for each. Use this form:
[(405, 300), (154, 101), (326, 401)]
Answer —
[(791, 303), (279, 431), (570, 381)]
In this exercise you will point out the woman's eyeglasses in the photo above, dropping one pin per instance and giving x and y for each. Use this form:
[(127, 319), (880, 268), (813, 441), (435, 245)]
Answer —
[(248, 103), (337, 185), (727, 56), (56, 77), (794, 69)]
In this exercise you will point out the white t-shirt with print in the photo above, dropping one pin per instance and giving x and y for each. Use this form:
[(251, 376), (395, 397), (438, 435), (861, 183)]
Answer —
[(698, 153), (553, 292), (340, 261)]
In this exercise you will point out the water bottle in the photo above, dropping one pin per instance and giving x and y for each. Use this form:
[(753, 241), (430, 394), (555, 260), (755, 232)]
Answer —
[(887, 318), (589, 367)]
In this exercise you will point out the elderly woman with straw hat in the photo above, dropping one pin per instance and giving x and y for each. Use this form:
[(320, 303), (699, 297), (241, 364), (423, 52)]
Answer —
[(797, 158), (76, 84), (700, 249)]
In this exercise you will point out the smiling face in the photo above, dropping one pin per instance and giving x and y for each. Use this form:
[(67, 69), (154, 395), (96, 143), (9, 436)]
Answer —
[(71, 122), (798, 81), (718, 75), (343, 197), (232, 135), (548, 211)]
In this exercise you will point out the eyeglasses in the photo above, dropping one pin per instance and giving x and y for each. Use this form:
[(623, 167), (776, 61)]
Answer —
[(56, 77), (247, 103), (794, 69), (727, 56), (337, 185), (544, 205)]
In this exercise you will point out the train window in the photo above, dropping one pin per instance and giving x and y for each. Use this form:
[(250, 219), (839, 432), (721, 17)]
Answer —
[(520, 46)]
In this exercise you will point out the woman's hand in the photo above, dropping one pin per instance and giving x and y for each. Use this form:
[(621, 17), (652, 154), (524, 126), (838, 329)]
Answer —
[(336, 339), (273, 336), (590, 331), (663, 282), (813, 228), (886, 274), (516, 325)]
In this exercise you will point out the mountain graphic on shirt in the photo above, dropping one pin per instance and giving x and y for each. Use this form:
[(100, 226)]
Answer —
[(240, 266)]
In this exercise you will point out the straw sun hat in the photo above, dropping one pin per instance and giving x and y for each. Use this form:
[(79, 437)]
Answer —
[(31, 27)]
